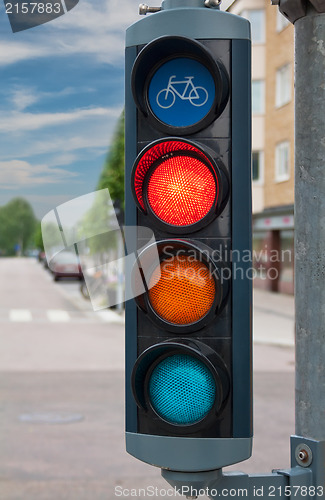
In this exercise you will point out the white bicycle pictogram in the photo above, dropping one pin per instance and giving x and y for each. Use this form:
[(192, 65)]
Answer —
[(197, 96)]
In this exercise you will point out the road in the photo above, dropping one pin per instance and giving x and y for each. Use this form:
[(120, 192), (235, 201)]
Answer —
[(61, 386)]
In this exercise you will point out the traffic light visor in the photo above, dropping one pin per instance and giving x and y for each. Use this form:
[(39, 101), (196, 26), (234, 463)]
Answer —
[(178, 85)]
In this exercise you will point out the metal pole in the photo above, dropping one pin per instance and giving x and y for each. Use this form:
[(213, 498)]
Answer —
[(310, 224)]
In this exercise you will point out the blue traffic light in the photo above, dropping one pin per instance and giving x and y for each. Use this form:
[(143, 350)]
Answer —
[(181, 92), (182, 389)]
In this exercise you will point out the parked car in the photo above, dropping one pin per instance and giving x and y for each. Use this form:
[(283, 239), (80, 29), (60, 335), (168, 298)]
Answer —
[(66, 265)]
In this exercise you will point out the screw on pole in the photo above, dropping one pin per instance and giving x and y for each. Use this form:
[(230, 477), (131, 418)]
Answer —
[(214, 4), (145, 9), (303, 455)]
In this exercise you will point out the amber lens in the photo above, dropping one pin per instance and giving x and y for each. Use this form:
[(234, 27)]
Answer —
[(185, 291)]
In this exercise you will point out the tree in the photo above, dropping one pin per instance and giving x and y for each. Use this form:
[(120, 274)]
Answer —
[(112, 176), (17, 226), (38, 239)]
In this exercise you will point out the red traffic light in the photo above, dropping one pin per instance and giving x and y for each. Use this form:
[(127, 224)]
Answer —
[(178, 184)]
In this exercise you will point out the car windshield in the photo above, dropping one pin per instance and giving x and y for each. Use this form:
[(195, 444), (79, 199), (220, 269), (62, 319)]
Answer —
[(66, 258)]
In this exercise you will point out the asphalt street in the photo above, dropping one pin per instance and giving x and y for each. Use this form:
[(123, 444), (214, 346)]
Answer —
[(62, 398)]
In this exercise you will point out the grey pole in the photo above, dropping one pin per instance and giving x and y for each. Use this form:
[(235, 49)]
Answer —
[(310, 224)]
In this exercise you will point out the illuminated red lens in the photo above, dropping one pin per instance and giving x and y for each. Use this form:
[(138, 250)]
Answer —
[(181, 190)]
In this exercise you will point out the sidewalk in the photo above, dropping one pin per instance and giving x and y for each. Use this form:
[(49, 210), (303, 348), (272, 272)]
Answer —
[(273, 318)]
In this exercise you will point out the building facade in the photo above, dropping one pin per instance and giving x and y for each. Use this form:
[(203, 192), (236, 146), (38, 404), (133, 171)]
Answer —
[(272, 142)]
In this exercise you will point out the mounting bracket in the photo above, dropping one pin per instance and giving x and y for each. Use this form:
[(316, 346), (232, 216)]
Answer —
[(305, 479), (295, 9)]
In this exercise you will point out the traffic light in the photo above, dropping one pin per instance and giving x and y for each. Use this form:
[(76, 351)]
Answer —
[(188, 180)]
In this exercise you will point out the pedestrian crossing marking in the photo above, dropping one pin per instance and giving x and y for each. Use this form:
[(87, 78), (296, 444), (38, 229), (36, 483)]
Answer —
[(109, 316), (58, 315), (22, 315)]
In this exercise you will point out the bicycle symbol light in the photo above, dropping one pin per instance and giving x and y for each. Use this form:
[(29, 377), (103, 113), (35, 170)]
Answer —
[(181, 92), (197, 96)]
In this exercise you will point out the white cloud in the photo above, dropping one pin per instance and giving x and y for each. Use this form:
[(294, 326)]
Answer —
[(18, 173), (91, 137), (21, 97), (91, 33), (13, 52), (72, 143), (95, 29), (62, 159), (17, 121)]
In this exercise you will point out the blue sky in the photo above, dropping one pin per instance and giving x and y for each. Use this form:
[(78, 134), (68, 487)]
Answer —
[(61, 93)]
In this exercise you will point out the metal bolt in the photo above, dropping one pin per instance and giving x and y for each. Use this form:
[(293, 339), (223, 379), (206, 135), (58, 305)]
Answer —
[(303, 455), (212, 3), (144, 9)]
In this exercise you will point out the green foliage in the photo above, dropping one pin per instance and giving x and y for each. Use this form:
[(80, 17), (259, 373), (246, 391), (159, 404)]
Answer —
[(112, 176), (50, 234), (92, 223), (37, 237), (17, 226)]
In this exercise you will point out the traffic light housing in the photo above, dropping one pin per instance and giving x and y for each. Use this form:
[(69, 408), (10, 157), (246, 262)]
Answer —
[(188, 179)]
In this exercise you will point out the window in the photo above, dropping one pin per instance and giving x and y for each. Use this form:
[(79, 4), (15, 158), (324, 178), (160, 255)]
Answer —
[(281, 21), (257, 166), (283, 85), (257, 20), (258, 97), (282, 161)]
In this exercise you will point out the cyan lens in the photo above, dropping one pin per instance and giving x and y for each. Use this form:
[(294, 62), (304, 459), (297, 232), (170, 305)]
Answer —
[(182, 389)]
